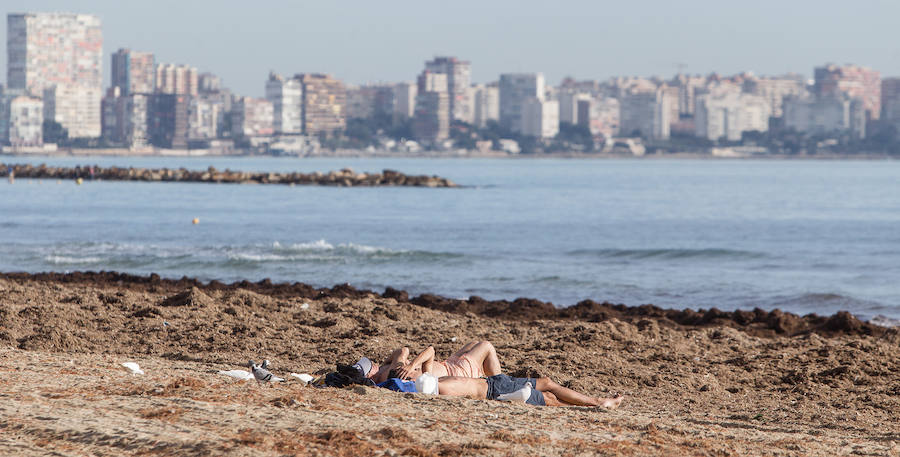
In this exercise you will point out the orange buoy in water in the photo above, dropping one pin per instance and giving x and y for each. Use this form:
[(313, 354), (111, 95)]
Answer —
[(196, 221), (79, 181)]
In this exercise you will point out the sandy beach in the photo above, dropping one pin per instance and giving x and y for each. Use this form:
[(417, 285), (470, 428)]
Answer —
[(697, 383)]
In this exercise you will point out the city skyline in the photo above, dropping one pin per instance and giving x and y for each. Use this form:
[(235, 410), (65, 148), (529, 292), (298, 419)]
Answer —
[(377, 44)]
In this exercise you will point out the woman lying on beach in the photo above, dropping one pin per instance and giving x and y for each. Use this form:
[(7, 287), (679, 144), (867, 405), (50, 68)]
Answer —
[(533, 391), (473, 360)]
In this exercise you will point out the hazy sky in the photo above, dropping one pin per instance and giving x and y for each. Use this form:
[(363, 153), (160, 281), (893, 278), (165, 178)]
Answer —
[(372, 41)]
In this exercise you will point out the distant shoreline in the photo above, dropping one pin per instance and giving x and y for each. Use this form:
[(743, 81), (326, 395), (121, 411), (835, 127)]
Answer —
[(458, 154)]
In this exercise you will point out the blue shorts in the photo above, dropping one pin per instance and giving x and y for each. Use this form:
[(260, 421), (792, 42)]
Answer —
[(500, 384)]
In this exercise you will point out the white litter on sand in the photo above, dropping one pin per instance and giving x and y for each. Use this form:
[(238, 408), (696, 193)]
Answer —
[(303, 377), (133, 367), (239, 374), (304, 306)]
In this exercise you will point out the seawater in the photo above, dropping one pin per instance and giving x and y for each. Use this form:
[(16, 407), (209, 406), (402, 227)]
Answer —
[(802, 236)]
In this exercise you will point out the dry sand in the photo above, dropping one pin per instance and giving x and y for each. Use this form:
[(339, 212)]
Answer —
[(707, 383)]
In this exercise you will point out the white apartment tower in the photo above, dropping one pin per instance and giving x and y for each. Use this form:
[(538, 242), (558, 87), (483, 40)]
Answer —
[(728, 115), (405, 100), (645, 114), (515, 89), (76, 108), (176, 79), (459, 78), (47, 49), (21, 121), (286, 96), (431, 121), (540, 118), (486, 102), (60, 53)]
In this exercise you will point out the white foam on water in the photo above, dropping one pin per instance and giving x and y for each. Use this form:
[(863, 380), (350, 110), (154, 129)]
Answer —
[(70, 260)]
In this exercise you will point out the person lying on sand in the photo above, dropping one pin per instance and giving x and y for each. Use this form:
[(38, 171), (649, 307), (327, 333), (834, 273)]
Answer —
[(474, 360), (534, 391)]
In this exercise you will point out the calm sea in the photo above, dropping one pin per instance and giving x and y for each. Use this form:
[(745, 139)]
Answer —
[(802, 236)]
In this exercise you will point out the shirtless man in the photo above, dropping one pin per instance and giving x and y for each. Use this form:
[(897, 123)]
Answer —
[(534, 391), (473, 360)]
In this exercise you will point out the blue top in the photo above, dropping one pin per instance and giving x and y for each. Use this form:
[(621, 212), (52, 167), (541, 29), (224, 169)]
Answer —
[(398, 385)]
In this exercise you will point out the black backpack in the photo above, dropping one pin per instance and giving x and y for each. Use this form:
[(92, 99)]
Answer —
[(345, 376)]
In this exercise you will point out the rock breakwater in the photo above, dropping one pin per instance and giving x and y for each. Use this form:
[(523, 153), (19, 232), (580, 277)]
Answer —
[(343, 178)]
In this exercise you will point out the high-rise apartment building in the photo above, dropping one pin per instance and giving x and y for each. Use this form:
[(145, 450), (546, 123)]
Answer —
[(601, 115), (568, 104), (205, 117), (125, 118), (486, 104), (775, 89), (645, 114), (48, 49), (431, 121), (826, 115), (133, 72), (61, 53), (515, 89), (324, 104), (540, 118), (252, 117), (75, 107), (208, 83), (728, 115), (370, 100), (176, 79), (853, 81), (168, 120), (890, 100), (459, 78), (687, 86), (21, 121), (286, 96), (405, 100)]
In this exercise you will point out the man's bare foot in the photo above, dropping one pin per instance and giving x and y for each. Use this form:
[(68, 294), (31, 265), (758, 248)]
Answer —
[(610, 403)]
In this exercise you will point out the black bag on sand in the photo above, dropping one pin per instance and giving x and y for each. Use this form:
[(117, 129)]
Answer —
[(346, 375)]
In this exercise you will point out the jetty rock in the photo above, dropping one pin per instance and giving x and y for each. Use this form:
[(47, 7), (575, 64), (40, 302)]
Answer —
[(346, 177)]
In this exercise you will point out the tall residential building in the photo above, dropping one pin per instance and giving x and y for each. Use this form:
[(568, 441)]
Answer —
[(688, 87), (431, 121), (77, 108), (486, 104), (61, 53), (775, 89), (600, 114), (405, 100), (324, 104), (459, 78), (208, 83), (540, 118), (133, 72), (286, 96), (205, 117), (21, 121), (728, 115), (168, 120), (515, 89), (568, 104), (370, 100), (125, 118), (854, 81), (252, 117), (48, 49), (176, 79), (645, 114), (826, 115), (890, 100)]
